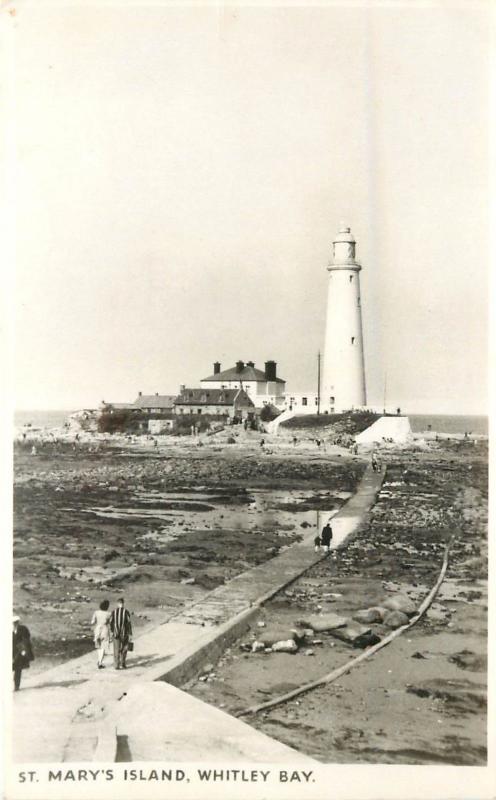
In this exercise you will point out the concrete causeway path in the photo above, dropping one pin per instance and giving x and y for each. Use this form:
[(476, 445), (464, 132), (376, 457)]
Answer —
[(75, 712)]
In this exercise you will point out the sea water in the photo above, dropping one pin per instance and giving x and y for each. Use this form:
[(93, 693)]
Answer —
[(441, 423), (41, 419)]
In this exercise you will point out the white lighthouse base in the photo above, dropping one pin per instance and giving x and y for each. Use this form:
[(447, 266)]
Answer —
[(396, 429)]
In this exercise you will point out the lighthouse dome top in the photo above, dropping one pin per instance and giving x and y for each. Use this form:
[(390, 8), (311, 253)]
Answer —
[(344, 235), (344, 251)]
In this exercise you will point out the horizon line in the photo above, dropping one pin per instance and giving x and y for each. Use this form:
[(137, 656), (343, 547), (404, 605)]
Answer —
[(403, 413)]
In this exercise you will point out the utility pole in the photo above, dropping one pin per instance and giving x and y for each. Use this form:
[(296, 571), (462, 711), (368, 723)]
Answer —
[(385, 385), (318, 382)]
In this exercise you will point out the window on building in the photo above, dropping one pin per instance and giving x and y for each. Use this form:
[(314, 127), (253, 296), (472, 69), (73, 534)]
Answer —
[(332, 400), (351, 278), (198, 410), (316, 401), (352, 340), (304, 401)]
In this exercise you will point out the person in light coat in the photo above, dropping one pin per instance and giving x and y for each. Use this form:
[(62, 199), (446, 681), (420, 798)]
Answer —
[(101, 620)]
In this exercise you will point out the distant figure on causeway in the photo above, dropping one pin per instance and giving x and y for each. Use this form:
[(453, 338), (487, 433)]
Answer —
[(122, 631), (326, 537), (22, 651)]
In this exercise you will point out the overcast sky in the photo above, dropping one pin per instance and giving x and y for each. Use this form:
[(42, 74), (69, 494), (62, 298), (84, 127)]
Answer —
[(182, 173)]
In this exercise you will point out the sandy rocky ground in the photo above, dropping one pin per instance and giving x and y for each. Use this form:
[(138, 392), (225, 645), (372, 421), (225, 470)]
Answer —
[(164, 526), (420, 700)]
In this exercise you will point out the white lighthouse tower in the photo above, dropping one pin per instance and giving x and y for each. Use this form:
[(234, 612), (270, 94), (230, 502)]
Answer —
[(344, 366)]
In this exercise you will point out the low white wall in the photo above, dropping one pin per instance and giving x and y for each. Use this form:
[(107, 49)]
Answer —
[(396, 428)]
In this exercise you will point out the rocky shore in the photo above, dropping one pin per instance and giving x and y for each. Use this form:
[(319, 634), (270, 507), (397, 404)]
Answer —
[(163, 525), (422, 699)]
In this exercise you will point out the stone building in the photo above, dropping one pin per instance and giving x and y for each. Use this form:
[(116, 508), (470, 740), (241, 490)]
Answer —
[(158, 404), (262, 387), (233, 403)]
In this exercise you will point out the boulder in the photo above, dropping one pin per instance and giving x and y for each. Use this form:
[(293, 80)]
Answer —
[(381, 610), (368, 615), (356, 635), (395, 619), (367, 640), (381, 630), (324, 622), (299, 635), (288, 646), (401, 602), (272, 635)]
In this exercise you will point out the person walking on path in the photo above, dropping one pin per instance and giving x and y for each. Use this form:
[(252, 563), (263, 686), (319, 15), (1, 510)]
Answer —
[(317, 542), (22, 651), (100, 620), (122, 631), (326, 537)]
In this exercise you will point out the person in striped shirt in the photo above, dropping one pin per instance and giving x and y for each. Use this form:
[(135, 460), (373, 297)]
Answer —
[(122, 631)]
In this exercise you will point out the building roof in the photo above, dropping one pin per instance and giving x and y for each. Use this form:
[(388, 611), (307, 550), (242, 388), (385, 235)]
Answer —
[(117, 406), (155, 401), (213, 397), (246, 374)]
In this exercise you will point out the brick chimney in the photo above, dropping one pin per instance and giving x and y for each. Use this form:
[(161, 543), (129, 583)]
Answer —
[(250, 363), (270, 370), (240, 366), (216, 367)]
